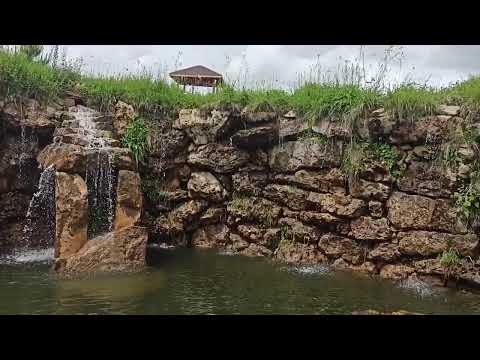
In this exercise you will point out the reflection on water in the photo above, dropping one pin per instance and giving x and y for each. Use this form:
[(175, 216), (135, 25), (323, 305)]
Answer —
[(185, 281)]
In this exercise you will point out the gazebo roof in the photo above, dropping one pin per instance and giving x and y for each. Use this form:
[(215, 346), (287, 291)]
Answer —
[(195, 72)]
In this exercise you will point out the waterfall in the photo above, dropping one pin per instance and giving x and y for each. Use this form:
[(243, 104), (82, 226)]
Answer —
[(39, 230)]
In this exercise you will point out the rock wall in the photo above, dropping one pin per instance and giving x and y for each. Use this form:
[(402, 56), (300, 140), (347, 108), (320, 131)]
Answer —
[(264, 185)]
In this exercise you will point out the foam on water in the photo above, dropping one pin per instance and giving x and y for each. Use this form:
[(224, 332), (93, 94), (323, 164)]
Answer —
[(308, 269), (29, 256), (416, 286)]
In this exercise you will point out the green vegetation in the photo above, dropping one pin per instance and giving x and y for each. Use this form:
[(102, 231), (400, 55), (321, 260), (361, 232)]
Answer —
[(316, 137), (135, 138), (449, 260), (240, 203), (357, 154), (29, 71), (152, 189), (467, 201), (287, 236)]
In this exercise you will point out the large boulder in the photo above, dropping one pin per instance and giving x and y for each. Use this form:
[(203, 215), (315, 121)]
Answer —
[(338, 204), (384, 252), (183, 218), (119, 251), (297, 253), (369, 190), (424, 178), (335, 246), (308, 153), (426, 243), (287, 195), (68, 158), (124, 116), (204, 129), (129, 200), (249, 183), (219, 158), (367, 228), (211, 236), (254, 138), (71, 214), (203, 185), (253, 210), (396, 272), (415, 212), (295, 231)]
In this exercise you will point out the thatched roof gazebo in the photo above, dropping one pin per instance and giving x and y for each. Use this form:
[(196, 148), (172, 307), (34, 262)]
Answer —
[(197, 76)]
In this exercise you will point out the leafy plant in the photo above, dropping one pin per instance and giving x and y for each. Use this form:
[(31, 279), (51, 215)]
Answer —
[(135, 138), (388, 156), (354, 157), (449, 260), (287, 236), (467, 201)]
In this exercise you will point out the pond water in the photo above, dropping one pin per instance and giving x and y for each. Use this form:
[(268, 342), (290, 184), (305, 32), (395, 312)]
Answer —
[(191, 281)]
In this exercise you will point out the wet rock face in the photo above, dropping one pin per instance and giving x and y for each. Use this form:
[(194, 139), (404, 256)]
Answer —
[(123, 117), (71, 214), (264, 185), (129, 200), (119, 251)]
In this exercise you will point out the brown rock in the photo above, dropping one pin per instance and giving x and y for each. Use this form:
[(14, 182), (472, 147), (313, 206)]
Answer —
[(185, 217), (253, 209), (367, 228), (249, 183), (338, 204), (257, 137), (203, 185), (255, 250), (427, 243), (64, 157), (369, 190), (238, 243), (219, 158), (129, 200), (384, 252), (297, 253), (118, 251), (296, 231), (305, 154), (71, 214), (376, 209), (211, 236), (417, 212), (212, 215), (396, 272), (327, 180), (124, 116), (251, 232), (428, 267), (290, 196), (335, 246)]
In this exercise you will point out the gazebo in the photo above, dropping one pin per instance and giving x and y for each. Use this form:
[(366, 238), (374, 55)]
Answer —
[(197, 76)]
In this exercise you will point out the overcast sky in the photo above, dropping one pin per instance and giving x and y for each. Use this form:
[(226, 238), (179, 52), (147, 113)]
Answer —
[(281, 64)]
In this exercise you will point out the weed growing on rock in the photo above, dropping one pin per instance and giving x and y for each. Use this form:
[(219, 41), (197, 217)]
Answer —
[(135, 138), (388, 156), (287, 236), (467, 201), (354, 157), (449, 260), (152, 189)]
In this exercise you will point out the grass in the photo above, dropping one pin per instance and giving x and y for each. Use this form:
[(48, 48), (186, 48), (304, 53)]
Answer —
[(135, 139), (22, 75)]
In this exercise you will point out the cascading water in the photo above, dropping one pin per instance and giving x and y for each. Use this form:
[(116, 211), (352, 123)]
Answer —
[(101, 175)]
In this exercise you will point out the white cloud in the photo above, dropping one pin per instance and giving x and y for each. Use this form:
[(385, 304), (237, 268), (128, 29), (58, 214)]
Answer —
[(280, 65)]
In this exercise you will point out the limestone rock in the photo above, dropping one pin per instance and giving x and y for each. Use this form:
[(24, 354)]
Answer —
[(426, 179), (71, 214), (384, 252), (396, 272), (429, 267), (119, 251), (203, 185), (367, 228), (338, 204), (335, 246), (124, 116), (376, 209), (417, 212), (256, 137), (211, 236), (256, 250), (212, 215), (258, 117), (168, 144), (369, 190), (67, 158), (426, 243), (184, 217), (305, 154), (238, 243), (249, 183), (296, 231), (129, 200), (287, 195), (449, 110), (253, 210), (326, 180), (297, 253), (219, 158), (291, 127)]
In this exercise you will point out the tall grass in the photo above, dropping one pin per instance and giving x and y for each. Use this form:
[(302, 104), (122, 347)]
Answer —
[(344, 94)]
